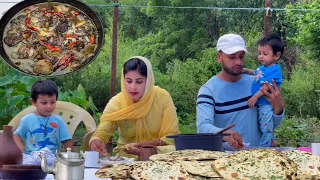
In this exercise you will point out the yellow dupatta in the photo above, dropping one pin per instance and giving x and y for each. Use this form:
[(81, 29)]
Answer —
[(156, 104), (138, 110)]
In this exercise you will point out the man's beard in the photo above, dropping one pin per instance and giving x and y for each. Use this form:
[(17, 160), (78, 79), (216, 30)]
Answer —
[(229, 70)]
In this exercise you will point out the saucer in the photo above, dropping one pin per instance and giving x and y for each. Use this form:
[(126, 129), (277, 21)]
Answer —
[(107, 161)]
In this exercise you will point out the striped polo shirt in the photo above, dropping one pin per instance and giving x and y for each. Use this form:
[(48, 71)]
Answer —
[(222, 103)]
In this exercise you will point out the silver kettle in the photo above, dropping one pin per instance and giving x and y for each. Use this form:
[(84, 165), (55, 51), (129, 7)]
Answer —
[(68, 166)]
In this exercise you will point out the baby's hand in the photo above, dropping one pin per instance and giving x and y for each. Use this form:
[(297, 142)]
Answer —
[(252, 101)]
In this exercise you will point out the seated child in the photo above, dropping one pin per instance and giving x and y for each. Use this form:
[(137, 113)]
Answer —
[(42, 129), (270, 49)]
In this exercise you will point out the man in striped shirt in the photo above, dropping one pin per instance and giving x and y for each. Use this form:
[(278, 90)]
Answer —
[(222, 100)]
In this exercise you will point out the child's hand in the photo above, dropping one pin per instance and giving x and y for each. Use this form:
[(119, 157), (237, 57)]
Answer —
[(252, 101), (248, 71), (244, 70)]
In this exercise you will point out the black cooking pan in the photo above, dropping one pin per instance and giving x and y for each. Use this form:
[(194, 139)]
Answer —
[(205, 141), (75, 3)]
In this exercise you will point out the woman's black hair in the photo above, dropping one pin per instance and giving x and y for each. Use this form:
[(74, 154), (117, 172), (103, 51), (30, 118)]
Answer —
[(135, 64)]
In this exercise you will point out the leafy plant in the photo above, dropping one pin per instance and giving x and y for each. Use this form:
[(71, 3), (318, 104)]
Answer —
[(298, 132), (79, 98), (15, 94), (300, 93), (306, 25), (15, 90)]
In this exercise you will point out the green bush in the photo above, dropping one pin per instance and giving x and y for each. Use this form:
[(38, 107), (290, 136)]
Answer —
[(306, 25), (15, 91), (15, 94), (298, 132), (300, 93), (187, 78)]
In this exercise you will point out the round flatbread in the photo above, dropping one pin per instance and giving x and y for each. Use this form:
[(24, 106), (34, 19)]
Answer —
[(308, 164), (188, 155), (200, 168), (157, 170), (195, 177), (256, 164), (115, 171)]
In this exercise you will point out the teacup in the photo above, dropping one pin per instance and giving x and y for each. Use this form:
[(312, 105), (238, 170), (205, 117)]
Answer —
[(91, 158)]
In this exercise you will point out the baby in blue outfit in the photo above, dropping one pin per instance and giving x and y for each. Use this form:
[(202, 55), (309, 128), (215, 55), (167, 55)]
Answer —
[(270, 49)]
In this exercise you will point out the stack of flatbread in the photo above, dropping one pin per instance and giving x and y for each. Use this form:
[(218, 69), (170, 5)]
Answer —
[(144, 170), (157, 170), (308, 164), (256, 164), (115, 171), (185, 164), (200, 169), (196, 162), (188, 155)]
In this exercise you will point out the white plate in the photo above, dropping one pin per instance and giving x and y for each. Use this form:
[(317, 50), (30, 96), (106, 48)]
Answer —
[(98, 165), (105, 160)]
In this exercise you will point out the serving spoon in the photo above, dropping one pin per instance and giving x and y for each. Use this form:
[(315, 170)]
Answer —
[(225, 129)]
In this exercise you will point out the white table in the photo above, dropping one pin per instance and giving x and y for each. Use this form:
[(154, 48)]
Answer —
[(88, 175)]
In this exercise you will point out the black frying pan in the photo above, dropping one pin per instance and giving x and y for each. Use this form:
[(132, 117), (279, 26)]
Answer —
[(75, 3)]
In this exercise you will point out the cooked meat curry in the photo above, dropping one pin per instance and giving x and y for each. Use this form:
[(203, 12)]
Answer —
[(49, 39)]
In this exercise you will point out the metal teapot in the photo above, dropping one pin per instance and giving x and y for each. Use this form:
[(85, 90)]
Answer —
[(68, 166)]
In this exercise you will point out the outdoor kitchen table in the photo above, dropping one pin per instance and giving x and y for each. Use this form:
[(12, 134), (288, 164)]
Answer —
[(88, 175)]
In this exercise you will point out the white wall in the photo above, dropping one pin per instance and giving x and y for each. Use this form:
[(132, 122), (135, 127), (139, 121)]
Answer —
[(5, 5)]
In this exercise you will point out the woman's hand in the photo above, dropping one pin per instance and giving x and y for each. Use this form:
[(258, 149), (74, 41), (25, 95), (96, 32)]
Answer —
[(146, 143), (135, 148), (132, 150), (97, 145), (273, 95)]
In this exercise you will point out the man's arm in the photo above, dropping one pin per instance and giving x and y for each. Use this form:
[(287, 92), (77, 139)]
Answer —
[(205, 112), (205, 118)]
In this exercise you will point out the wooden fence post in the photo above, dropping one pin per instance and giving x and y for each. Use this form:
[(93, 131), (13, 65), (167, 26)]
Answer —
[(114, 49), (267, 17)]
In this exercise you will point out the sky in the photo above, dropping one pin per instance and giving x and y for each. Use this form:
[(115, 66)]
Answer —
[(5, 5)]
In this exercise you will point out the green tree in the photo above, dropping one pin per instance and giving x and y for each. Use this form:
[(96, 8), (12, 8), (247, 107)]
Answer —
[(305, 25)]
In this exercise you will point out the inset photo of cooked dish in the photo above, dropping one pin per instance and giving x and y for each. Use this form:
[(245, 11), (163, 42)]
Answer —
[(53, 38)]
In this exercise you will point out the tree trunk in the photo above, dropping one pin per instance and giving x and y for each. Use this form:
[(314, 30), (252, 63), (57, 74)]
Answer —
[(212, 21)]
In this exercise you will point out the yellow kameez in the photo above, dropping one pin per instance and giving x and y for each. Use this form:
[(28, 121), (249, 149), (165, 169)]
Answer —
[(153, 117)]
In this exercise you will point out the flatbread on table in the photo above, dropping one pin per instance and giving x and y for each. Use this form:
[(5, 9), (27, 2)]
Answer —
[(200, 168), (115, 171), (195, 177), (188, 155), (256, 164), (157, 170), (308, 164)]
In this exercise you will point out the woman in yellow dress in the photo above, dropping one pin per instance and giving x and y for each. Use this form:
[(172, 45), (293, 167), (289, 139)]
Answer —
[(144, 113)]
